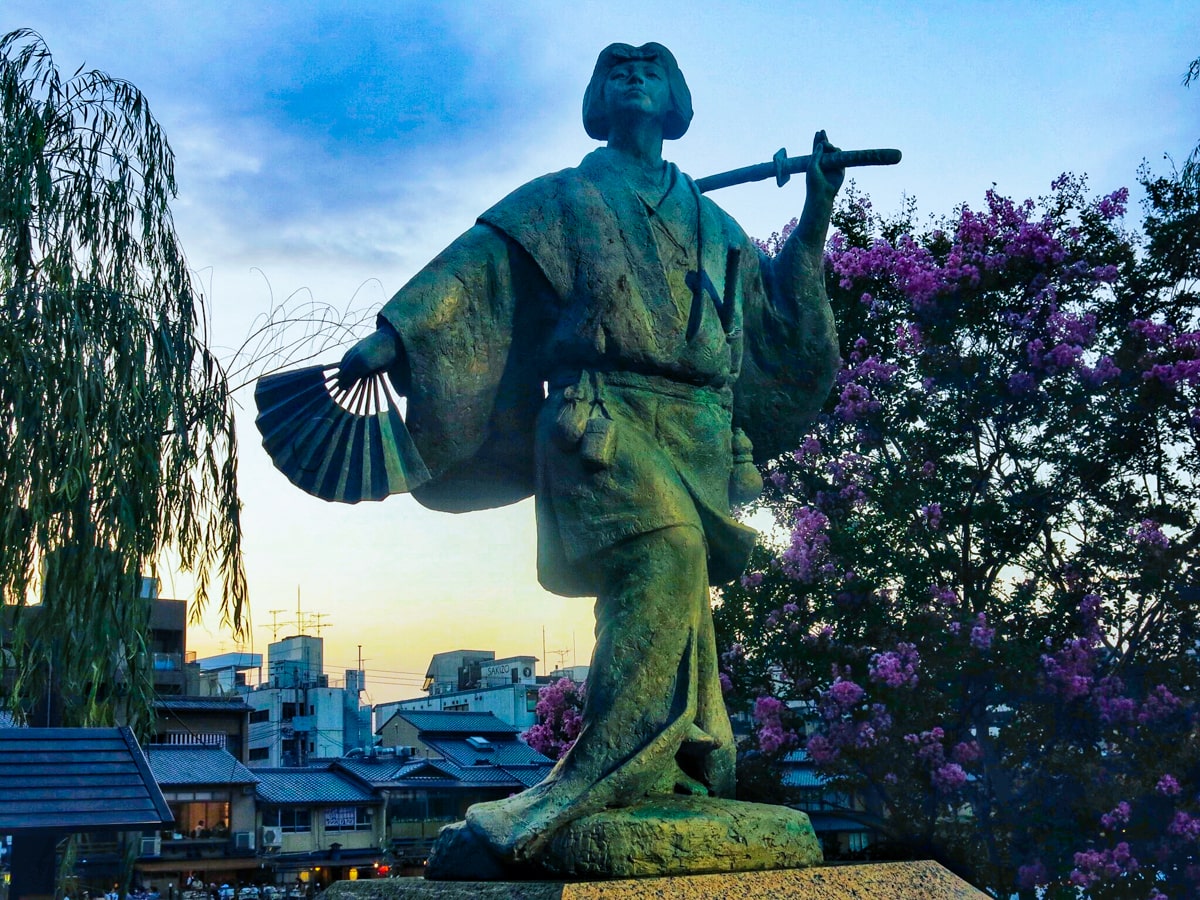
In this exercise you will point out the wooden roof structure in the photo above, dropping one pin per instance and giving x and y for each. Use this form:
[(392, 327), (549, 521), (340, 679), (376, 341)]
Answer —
[(76, 779)]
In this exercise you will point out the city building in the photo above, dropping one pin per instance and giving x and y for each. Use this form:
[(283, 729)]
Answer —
[(296, 715), (211, 796), (318, 824), (475, 681)]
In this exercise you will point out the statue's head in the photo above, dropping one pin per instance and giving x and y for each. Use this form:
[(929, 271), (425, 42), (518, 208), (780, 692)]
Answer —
[(595, 110)]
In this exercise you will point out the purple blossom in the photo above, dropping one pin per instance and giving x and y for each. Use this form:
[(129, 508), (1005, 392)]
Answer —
[(1020, 383), (949, 777), (809, 546), (821, 750), (1113, 205), (845, 693), (908, 337), (809, 448), (1067, 328), (856, 403), (1168, 786), (944, 595), (895, 668), (967, 752), (1092, 866), (931, 515), (981, 634), (1148, 533), (1159, 704), (1104, 370), (772, 737), (1070, 671), (1118, 815), (1152, 332), (1185, 826), (1032, 875)]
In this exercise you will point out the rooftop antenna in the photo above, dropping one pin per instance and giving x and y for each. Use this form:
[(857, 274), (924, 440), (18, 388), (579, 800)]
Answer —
[(299, 614), (274, 626), (562, 656), (317, 626)]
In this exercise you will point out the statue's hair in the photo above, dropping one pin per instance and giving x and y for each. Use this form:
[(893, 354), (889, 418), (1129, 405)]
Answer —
[(595, 114)]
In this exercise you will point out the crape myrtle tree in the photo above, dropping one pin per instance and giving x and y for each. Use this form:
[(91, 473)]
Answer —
[(559, 718), (981, 617), (117, 441)]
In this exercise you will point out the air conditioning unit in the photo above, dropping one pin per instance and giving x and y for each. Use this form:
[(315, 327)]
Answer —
[(272, 837), (243, 840), (151, 846)]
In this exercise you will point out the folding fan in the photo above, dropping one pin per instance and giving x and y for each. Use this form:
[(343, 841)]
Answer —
[(343, 445)]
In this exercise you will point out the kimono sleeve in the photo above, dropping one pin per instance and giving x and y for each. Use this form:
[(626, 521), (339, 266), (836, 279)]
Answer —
[(790, 353), (468, 323)]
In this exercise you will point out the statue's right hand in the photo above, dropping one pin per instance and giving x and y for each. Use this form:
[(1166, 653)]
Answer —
[(375, 353)]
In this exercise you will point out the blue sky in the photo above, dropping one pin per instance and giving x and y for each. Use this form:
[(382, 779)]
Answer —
[(335, 147)]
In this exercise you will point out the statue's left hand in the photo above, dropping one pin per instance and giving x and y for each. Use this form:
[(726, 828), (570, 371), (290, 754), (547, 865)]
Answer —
[(374, 353), (820, 181)]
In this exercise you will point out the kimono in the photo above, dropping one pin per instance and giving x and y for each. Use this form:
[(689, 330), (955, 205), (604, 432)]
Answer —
[(618, 350)]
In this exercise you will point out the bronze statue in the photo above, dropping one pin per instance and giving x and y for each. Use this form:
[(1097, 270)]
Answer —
[(608, 339)]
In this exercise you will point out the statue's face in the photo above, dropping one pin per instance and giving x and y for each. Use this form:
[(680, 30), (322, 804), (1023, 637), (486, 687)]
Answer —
[(637, 86)]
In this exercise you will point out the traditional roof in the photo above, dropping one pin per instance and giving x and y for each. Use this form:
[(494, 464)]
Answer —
[(444, 773), (179, 765), (465, 723), (502, 752), (800, 772), (76, 779), (375, 771), (529, 775), (293, 786), (216, 704)]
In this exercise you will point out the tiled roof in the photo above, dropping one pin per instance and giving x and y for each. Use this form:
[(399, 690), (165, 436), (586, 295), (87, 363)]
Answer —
[(509, 752), (468, 723), (801, 778), (477, 775), (529, 775), (179, 765), (309, 786), (76, 779), (374, 772), (218, 704)]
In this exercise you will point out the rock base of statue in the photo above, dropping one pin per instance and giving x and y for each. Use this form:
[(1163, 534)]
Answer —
[(668, 836), (872, 881)]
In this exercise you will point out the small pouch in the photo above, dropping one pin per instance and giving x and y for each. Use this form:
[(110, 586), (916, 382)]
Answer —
[(599, 445), (745, 481), (572, 419)]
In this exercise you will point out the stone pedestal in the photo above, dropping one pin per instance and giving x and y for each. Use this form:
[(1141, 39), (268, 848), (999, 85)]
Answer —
[(871, 881), (667, 836)]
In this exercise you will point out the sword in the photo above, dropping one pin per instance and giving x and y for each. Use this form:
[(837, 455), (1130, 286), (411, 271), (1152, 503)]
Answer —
[(783, 167)]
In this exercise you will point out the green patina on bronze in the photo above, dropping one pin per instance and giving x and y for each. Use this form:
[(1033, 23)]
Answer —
[(675, 355)]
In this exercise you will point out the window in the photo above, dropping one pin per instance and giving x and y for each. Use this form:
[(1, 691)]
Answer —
[(259, 753), (287, 820), (260, 715), (348, 818)]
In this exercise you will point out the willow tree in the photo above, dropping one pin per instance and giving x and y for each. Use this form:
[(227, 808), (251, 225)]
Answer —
[(117, 443)]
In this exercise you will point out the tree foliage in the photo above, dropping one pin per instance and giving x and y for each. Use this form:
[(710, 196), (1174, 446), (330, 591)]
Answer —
[(118, 441), (984, 609), (559, 713)]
